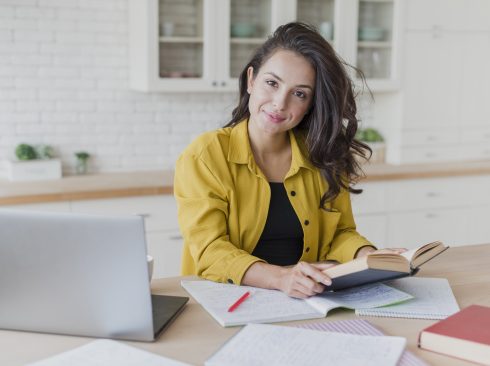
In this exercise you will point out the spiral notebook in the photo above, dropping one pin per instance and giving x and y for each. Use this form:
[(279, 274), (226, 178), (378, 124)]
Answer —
[(432, 299)]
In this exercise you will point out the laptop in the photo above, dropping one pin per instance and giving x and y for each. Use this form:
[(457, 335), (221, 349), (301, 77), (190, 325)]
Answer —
[(79, 274)]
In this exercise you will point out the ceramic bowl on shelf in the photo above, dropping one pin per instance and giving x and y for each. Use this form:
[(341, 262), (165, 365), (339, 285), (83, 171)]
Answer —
[(242, 30), (371, 34)]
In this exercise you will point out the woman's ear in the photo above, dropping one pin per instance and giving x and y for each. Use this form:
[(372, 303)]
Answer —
[(250, 79)]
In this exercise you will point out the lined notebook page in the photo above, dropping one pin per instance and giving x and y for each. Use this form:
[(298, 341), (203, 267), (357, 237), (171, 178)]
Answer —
[(361, 327), (433, 299), (104, 352), (270, 345)]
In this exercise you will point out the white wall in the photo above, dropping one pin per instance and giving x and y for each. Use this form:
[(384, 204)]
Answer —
[(64, 82)]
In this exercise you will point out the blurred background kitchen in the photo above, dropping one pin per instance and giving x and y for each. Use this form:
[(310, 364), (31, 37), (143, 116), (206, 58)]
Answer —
[(110, 92)]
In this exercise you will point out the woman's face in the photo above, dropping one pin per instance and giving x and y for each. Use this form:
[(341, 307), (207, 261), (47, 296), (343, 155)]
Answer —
[(281, 93)]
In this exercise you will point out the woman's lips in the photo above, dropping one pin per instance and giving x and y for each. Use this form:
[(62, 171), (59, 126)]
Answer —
[(274, 117)]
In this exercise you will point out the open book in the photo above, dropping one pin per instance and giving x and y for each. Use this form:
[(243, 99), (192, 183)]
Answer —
[(267, 306), (381, 266)]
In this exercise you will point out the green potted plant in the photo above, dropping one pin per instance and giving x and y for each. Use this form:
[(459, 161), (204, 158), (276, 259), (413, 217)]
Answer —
[(82, 162), (33, 163), (373, 138)]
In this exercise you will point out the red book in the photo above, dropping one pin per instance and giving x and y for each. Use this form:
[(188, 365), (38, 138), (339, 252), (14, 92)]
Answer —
[(464, 335)]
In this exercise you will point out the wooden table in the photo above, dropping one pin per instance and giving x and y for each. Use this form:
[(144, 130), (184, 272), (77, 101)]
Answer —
[(194, 335)]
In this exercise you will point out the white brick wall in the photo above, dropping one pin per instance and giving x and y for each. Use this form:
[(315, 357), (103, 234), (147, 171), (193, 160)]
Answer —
[(64, 82)]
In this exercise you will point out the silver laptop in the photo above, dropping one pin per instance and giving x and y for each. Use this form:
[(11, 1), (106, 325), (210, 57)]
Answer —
[(79, 274)]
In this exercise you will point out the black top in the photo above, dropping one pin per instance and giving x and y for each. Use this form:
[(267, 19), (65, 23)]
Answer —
[(281, 242)]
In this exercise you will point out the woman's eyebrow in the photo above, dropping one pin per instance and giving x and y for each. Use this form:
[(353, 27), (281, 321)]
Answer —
[(278, 78)]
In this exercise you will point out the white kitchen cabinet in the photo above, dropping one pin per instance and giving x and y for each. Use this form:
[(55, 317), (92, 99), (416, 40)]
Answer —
[(195, 45), (377, 42), (202, 45), (445, 82), (369, 210), (412, 229), (409, 213), (458, 15), (374, 228)]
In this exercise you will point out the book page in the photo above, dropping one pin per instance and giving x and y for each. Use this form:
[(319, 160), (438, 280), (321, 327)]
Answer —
[(367, 296), (433, 299), (261, 344), (261, 306), (107, 352)]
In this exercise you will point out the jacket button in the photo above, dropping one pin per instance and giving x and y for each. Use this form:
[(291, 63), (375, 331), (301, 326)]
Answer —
[(307, 222), (229, 280), (293, 193), (307, 249)]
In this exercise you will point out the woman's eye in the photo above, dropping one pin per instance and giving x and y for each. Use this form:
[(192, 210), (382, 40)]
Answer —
[(271, 82), (300, 94)]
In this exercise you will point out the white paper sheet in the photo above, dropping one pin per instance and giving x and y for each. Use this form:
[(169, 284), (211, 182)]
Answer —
[(271, 345), (104, 352)]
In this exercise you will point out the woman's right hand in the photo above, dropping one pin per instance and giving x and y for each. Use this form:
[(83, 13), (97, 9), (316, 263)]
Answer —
[(304, 279)]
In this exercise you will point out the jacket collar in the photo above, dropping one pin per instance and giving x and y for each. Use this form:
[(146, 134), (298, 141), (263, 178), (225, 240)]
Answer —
[(240, 151)]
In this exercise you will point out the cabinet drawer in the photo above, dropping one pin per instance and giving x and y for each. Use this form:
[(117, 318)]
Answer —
[(373, 227), (475, 134), (429, 137), (413, 229), (429, 154), (478, 151), (371, 200), (166, 249), (426, 193), (63, 206), (159, 211)]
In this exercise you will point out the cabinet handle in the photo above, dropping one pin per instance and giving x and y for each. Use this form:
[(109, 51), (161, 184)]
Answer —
[(431, 216), (144, 215), (175, 237), (223, 83), (436, 31), (215, 83), (432, 194)]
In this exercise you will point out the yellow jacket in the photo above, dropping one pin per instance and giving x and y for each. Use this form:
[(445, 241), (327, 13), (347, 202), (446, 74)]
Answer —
[(223, 200)]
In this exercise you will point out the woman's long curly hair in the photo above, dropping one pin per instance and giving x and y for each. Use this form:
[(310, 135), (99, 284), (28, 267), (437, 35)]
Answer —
[(330, 125)]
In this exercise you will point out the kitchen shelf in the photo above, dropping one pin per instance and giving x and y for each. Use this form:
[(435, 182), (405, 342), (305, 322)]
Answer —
[(374, 44), (181, 40), (236, 40)]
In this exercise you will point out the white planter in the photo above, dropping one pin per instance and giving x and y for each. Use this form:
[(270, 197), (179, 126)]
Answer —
[(379, 152), (33, 170)]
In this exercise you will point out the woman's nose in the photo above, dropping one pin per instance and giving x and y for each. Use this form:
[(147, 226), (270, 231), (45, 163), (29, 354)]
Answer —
[(280, 101)]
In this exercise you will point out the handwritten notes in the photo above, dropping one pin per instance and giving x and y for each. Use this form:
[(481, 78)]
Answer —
[(261, 344), (266, 306)]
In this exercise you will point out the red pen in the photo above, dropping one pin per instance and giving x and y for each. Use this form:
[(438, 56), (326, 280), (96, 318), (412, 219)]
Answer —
[(239, 301)]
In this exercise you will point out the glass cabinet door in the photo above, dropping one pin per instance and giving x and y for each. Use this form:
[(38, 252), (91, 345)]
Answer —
[(181, 39), (250, 23), (375, 38), (318, 13)]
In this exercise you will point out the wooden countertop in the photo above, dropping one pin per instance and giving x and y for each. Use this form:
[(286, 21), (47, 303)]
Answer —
[(112, 185)]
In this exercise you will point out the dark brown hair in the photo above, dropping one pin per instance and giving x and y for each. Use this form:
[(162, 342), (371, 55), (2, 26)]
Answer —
[(331, 124)]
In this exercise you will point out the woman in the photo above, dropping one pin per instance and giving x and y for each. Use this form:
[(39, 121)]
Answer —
[(265, 201)]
